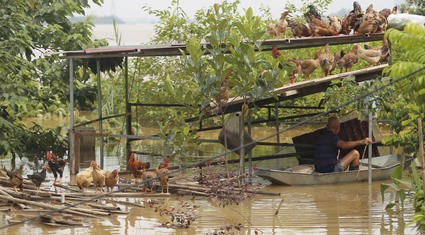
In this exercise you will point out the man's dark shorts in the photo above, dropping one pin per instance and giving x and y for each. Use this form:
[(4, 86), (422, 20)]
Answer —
[(338, 167)]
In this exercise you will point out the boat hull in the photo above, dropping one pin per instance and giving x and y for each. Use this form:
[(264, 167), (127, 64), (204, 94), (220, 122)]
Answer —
[(381, 170)]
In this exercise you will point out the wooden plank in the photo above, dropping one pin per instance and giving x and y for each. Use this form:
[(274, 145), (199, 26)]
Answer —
[(296, 90), (175, 50)]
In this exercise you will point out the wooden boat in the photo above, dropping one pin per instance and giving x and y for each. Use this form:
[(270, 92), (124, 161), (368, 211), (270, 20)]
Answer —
[(305, 175)]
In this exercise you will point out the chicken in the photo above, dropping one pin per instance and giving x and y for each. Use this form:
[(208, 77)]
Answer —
[(148, 178), (372, 22), (299, 29), (385, 12), (38, 178), (276, 29), (15, 180), (276, 53), (295, 73), (308, 66), (163, 164), (56, 165), (223, 95), (357, 9), (353, 20), (111, 179), (371, 56), (374, 56), (163, 179), (335, 23), (319, 27), (313, 11), (336, 58), (326, 61), (98, 177), (85, 178), (369, 26), (394, 10), (133, 165), (349, 59)]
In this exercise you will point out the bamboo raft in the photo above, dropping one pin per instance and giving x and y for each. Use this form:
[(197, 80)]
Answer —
[(68, 206)]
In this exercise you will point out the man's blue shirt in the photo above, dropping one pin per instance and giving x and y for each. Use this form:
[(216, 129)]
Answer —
[(326, 152)]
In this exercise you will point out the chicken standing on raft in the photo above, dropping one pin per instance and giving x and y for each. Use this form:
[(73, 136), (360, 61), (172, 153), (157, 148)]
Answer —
[(15, 180), (56, 165), (111, 180), (98, 177), (38, 178), (84, 178)]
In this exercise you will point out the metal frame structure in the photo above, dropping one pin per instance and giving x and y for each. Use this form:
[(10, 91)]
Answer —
[(286, 92)]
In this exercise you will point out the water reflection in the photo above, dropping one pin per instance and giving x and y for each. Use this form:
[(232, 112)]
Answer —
[(332, 209)]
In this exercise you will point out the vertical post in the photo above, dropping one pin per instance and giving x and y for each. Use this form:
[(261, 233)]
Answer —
[(73, 164), (242, 150), (127, 111), (276, 107), (370, 150), (421, 149), (249, 132), (99, 110)]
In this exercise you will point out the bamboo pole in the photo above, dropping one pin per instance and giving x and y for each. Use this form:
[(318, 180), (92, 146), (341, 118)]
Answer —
[(66, 187), (278, 208), (47, 206), (193, 192)]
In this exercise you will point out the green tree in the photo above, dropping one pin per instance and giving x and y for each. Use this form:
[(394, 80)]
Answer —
[(408, 104), (32, 81)]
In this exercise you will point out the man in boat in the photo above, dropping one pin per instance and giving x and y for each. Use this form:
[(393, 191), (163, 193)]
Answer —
[(326, 156)]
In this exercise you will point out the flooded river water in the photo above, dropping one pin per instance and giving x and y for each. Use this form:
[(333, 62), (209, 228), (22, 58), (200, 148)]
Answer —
[(336, 209), (329, 209)]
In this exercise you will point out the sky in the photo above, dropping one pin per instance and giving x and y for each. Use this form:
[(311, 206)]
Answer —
[(131, 10)]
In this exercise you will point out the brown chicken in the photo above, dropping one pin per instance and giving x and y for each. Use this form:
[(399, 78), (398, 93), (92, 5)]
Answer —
[(372, 22), (353, 20), (111, 179), (98, 177), (134, 166), (280, 27), (299, 29), (349, 59), (148, 178), (335, 23), (385, 12), (84, 178), (326, 61), (319, 27), (308, 66), (15, 180), (223, 94), (163, 179), (296, 72), (336, 58), (371, 56), (38, 177), (56, 165)]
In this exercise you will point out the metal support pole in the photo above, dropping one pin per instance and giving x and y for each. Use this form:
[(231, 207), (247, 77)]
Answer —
[(276, 110), (249, 132), (370, 149), (241, 136), (127, 111), (73, 165), (99, 110)]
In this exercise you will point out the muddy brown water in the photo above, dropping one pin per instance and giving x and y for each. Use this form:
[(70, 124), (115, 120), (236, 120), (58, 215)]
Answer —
[(335, 209), (330, 209)]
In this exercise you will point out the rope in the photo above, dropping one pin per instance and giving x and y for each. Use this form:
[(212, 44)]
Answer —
[(228, 152)]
